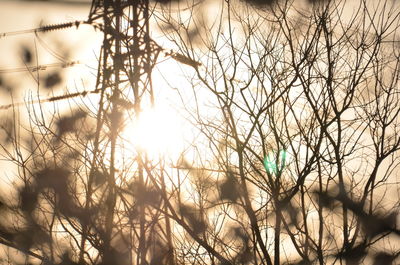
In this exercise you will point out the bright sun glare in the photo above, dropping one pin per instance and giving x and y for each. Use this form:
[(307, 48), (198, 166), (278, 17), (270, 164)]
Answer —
[(158, 132)]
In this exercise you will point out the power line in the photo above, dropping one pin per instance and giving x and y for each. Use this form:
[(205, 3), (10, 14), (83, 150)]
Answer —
[(41, 67), (51, 99), (45, 28)]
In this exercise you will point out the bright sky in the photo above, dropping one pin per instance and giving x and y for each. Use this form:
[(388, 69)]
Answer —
[(83, 45), (25, 15)]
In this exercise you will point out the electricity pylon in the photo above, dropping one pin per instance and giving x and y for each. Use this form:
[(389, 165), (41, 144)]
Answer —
[(128, 55)]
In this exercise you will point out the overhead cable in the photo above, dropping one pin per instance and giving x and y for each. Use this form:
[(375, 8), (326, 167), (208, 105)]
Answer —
[(50, 99), (36, 68), (45, 28)]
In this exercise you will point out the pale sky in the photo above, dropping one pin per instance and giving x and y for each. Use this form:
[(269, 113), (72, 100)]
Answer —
[(71, 44)]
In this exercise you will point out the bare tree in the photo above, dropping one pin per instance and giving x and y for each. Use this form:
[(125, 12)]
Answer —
[(295, 141)]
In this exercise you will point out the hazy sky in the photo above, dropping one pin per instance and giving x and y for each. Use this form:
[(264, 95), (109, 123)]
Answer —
[(70, 44)]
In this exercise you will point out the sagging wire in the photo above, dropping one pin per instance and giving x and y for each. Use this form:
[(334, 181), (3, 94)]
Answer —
[(49, 50)]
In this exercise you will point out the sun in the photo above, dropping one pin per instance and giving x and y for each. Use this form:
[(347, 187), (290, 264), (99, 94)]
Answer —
[(157, 132)]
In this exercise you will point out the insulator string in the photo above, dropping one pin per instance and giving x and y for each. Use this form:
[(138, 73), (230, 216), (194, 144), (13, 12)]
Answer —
[(50, 99), (45, 28)]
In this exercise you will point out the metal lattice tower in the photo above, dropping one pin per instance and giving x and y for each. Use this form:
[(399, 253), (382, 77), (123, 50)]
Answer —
[(127, 58), (128, 54)]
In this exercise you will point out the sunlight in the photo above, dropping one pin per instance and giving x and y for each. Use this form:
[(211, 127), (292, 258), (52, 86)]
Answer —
[(158, 132)]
